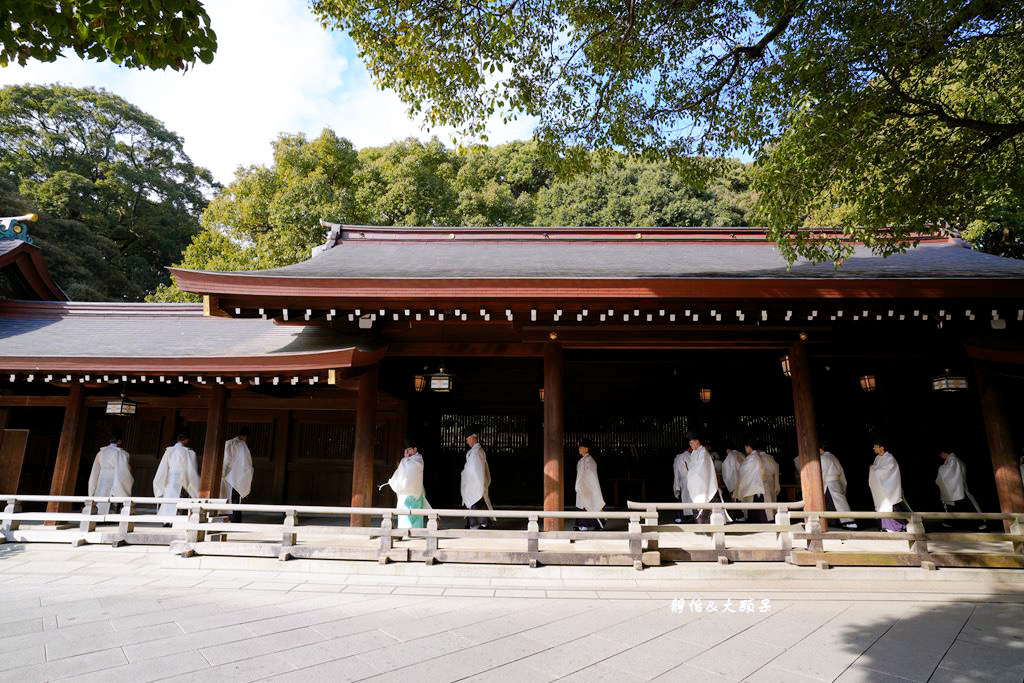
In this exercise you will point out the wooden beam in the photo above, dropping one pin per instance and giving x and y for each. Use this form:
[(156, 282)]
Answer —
[(362, 456), (1000, 443), (806, 429), (554, 433), (213, 447), (65, 469)]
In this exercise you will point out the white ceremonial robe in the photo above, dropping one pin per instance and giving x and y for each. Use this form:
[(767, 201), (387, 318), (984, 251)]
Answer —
[(177, 471), (588, 486), (751, 478), (476, 478), (111, 476), (885, 483), (771, 477), (407, 483), (237, 471), (731, 471), (952, 482), (834, 479), (701, 480), (680, 469)]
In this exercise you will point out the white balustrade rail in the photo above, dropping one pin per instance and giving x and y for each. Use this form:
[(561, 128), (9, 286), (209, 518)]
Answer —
[(317, 532), (135, 524)]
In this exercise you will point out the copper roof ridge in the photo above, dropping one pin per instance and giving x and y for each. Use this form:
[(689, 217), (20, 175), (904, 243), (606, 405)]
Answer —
[(16, 306)]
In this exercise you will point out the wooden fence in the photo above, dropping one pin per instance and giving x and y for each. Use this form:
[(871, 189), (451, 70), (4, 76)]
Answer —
[(315, 532)]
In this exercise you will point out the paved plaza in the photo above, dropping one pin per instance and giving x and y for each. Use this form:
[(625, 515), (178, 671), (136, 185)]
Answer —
[(139, 614)]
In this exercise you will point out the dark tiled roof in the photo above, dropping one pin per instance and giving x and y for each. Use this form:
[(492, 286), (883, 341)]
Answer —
[(52, 330), (572, 256)]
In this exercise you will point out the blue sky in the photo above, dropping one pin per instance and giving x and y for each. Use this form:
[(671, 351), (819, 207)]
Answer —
[(276, 70)]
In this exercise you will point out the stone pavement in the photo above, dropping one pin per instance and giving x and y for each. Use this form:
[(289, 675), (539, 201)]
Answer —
[(139, 614)]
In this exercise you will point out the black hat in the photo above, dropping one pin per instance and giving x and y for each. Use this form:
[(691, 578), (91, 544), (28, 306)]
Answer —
[(410, 442), (825, 445), (116, 435), (243, 431), (880, 440), (473, 430), (586, 443), (692, 436)]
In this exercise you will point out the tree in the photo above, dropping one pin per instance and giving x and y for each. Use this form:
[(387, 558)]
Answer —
[(626, 191), (693, 82), (87, 158), (132, 33), (270, 216)]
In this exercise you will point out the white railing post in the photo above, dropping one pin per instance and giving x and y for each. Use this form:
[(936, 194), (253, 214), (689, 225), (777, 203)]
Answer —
[(785, 535), (386, 542), (431, 537), (126, 526), (196, 516), (13, 507), (651, 519), (812, 525), (532, 535), (1017, 528), (718, 519), (88, 510), (636, 550)]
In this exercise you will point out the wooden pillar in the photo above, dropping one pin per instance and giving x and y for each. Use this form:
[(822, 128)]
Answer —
[(366, 432), (554, 433), (806, 429), (12, 458), (213, 447), (69, 449), (1000, 444), (282, 426)]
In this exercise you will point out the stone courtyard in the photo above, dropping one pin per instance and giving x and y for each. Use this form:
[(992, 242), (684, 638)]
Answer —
[(139, 614)]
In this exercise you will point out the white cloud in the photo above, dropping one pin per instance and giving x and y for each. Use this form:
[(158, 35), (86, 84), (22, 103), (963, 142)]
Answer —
[(276, 70)]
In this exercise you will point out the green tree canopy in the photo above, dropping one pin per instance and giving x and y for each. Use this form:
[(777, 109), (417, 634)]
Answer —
[(690, 81), (270, 216), (106, 177), (133, 33)]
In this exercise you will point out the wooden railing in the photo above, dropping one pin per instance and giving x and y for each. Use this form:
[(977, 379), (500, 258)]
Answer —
[(80, 528), (315, 532), (284, 539), (969, 548), (669, 539)]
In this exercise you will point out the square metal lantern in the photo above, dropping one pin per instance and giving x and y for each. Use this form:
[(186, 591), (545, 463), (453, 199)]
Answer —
[(122, 407)]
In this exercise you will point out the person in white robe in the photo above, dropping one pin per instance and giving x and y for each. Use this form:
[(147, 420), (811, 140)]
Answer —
[(833, 479), (731, 476), (680, 469), (236, 475), (701, 479), (177, 471), (588, 487), (111, 473), (772, 487), (750, 484), (887, 486), (407, 483), (476, 479), (952, 483)]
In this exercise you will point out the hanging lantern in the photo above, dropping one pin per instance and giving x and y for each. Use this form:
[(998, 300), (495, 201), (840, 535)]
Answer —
[(705, 395), (419, 382), (867, 383), (441, 381), (122, 407), (785, 366), (948, 382), (541, 392)]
